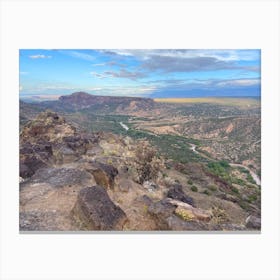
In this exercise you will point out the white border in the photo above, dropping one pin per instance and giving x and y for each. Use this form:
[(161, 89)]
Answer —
[(153, 24)]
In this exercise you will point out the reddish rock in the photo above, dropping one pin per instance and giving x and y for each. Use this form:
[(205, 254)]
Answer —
[(94, 210)]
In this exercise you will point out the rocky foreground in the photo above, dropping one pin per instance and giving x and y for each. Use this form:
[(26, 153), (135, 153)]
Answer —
[(74, 181)]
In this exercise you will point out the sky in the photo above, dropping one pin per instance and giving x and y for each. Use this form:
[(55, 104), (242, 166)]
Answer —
[(151, 73)]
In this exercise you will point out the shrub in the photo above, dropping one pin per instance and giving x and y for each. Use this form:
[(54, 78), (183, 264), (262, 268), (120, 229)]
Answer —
[(250, 179), (194, 188), (212, 188), (190, 182), (206, 192), (234, 189), (147, 163), (252, 198)]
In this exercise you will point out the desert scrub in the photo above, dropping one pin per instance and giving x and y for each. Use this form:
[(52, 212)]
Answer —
[(145, 209), (234, 190), (219, 215), (147, 163), (190, 182), (206, 192), (184, 214), (194, 188), (212, 188), (252, 198)]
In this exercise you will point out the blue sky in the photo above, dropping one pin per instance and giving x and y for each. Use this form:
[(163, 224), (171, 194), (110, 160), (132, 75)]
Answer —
[(138, 72)]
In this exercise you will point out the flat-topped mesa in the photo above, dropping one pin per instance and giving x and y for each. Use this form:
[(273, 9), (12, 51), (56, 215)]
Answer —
[(76, 96), (81, 100)]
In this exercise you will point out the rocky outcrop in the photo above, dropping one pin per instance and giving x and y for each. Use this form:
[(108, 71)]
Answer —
[(177, 224), (176, 192), (58, 177), (94, 210), (33, 157), (161, 211), (48, 126), (167, 211), (104, 174), (49, 140), (253, 222), (188, 212)]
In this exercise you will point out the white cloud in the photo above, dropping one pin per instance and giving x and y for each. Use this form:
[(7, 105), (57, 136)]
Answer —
[(20, 88), (23, 73), (36, 56), (220, 54), (241, 82), (100, 75), (79, 55), (99, 64)]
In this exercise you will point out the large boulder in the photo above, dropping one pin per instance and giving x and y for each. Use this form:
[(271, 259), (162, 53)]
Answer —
[(58, 177), (176, 192), (28, 166), (160, 211), (104, 174), (33, 157), (170, 214), (188, 212), (177, 224), (94, 210)]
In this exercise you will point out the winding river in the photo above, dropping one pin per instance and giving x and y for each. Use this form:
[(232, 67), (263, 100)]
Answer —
[(124, 126), (255, 177), (253, 174)]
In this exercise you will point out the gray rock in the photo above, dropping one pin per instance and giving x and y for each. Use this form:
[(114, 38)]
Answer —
[(176, 192), (96, 150), (150, 186), (125, 184), (58, 177), (104, 174), (143, 200), (253, 222), (175, 223), (160, 211)]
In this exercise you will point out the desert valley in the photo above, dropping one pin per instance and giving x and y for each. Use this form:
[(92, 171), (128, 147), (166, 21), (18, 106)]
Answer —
[(91, 162)]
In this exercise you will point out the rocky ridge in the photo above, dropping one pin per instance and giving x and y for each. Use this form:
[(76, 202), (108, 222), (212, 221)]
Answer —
[(72, 180)]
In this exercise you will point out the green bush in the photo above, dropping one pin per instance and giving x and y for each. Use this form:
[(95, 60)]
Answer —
[(250, 179), (190, 182), (235, 190), (194, 188), (206, 192), (212, 188)]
